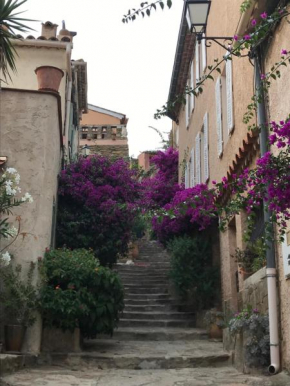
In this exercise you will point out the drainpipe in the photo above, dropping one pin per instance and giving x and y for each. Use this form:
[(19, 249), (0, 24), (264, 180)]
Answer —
[(271, 271)]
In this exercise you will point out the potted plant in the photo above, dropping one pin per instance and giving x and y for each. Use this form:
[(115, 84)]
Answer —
[(19, 300), (214, 320)]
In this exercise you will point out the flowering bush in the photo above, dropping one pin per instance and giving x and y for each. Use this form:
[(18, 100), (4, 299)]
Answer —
[(77, 292), (256, 332), (96, 206), (160, 189), (9, 198), (191, 209)]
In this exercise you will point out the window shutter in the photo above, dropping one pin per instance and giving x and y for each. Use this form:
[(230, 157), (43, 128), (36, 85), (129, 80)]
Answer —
[(205, 152), (188, 20), (197, 61), (192, 84), (286, 255), (197, 159), (186, 175), (229, 88), (203, 52), (192, 171), (177, 136), (219, 116), (186, 111)]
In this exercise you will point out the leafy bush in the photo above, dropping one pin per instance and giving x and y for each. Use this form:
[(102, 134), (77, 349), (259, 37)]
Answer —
[(77, 292), (192, 271), (96, 197), (18, 296), (256, 327)]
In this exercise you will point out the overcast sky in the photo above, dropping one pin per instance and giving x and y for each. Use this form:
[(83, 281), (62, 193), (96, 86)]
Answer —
[(129, 65)]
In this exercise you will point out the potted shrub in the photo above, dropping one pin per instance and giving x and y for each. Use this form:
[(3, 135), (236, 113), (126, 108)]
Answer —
[(214, 320), (19, 300), (77, 293)]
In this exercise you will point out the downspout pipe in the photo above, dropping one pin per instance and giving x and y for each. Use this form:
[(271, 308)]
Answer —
[(271, 271), (69, 90)]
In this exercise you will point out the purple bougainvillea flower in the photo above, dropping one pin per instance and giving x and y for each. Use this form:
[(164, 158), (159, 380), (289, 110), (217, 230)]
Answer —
[(264, 15), (214, 182), (236, 38), (254, 22), (263, 76), (284, 52), (247, 37)]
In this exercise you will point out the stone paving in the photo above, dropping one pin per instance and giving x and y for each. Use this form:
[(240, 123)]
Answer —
[(225, 376)]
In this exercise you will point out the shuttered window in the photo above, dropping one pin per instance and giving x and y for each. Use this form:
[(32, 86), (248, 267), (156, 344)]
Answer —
[(197, 76), (192, 168), (186, 111), (205, 150), (192, 84), (197, 159), (219, 126), (186, 179), (203, 53), (286, 254), (229, 90)]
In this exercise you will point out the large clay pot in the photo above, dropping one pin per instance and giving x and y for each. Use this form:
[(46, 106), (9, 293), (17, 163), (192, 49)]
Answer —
[(49, 78), (215, 332), (14, 336), (135, 251)]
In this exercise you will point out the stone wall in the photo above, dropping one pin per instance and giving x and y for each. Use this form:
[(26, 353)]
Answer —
[(117, 151)]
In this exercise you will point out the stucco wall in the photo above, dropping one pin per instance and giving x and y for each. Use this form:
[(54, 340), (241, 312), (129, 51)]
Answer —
[(30, 137), (95, 118), (29, 58), (279, 109)]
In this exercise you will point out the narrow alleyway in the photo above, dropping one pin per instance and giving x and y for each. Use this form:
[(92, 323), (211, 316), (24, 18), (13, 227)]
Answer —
[(156, 343)]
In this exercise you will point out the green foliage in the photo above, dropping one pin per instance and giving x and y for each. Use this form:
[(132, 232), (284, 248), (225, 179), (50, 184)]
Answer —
[(255, 329), (253, 257), (140, 225), (77, 292), (246, 4), (10, 25), (18, 296), (145, 9), (192, 271)]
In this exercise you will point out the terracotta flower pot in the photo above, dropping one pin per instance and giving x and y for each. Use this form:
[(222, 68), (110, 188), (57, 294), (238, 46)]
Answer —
[(215, 332), (14, 336), (49, 78)]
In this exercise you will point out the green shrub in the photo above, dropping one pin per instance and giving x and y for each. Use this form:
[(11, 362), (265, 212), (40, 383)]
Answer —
[(78, 292), (192, 271)]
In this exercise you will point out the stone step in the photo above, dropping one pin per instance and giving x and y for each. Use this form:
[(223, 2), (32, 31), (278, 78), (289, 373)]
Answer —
[(112, 354), (158, 315), (156, 323), (145, 290), (147, 308), (147, 301), (159, 334), (9, 363), (146, 296), (131, 282)]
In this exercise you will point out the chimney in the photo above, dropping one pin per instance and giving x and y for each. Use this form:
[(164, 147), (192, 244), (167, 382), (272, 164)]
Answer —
[(65, 35), (49, 30)]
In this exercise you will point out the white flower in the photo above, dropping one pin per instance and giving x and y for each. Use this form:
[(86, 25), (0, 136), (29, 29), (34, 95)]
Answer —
[(27, 198), (11, 170), (8, 183), (17, 178), (4, 175), (13, 232), (6, 258), (10, 191)]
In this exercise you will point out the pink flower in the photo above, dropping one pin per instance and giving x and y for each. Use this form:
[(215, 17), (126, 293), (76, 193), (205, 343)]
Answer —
[(247, 37), (254, 22), (214, 182), (263, 76), (264, 15), (284, 52), (236, 38)]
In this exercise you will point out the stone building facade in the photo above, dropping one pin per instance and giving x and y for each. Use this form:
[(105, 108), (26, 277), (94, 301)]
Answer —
[(104, 132), (213, 142)]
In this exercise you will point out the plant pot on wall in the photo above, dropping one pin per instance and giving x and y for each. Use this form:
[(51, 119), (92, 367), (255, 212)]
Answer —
[(49, 78), (14, 336)]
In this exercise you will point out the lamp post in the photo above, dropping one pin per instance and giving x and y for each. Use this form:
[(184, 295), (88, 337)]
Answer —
[(197, 12), (85, 151)]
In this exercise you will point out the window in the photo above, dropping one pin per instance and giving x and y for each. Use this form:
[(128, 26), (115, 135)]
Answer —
[(186, 179), (192, 171), (84, 135), (197, 159), (224, 106), (204, 149)]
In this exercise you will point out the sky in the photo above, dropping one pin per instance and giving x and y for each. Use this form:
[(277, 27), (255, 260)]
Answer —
[(129, 65)]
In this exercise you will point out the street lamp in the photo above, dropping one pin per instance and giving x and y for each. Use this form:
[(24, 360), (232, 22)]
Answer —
[(197, 12), (85, 151)]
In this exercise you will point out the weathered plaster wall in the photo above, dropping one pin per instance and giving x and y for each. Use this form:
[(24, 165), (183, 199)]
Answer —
[(279, 109), (29, 58), (111, 151), (29, 136)]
